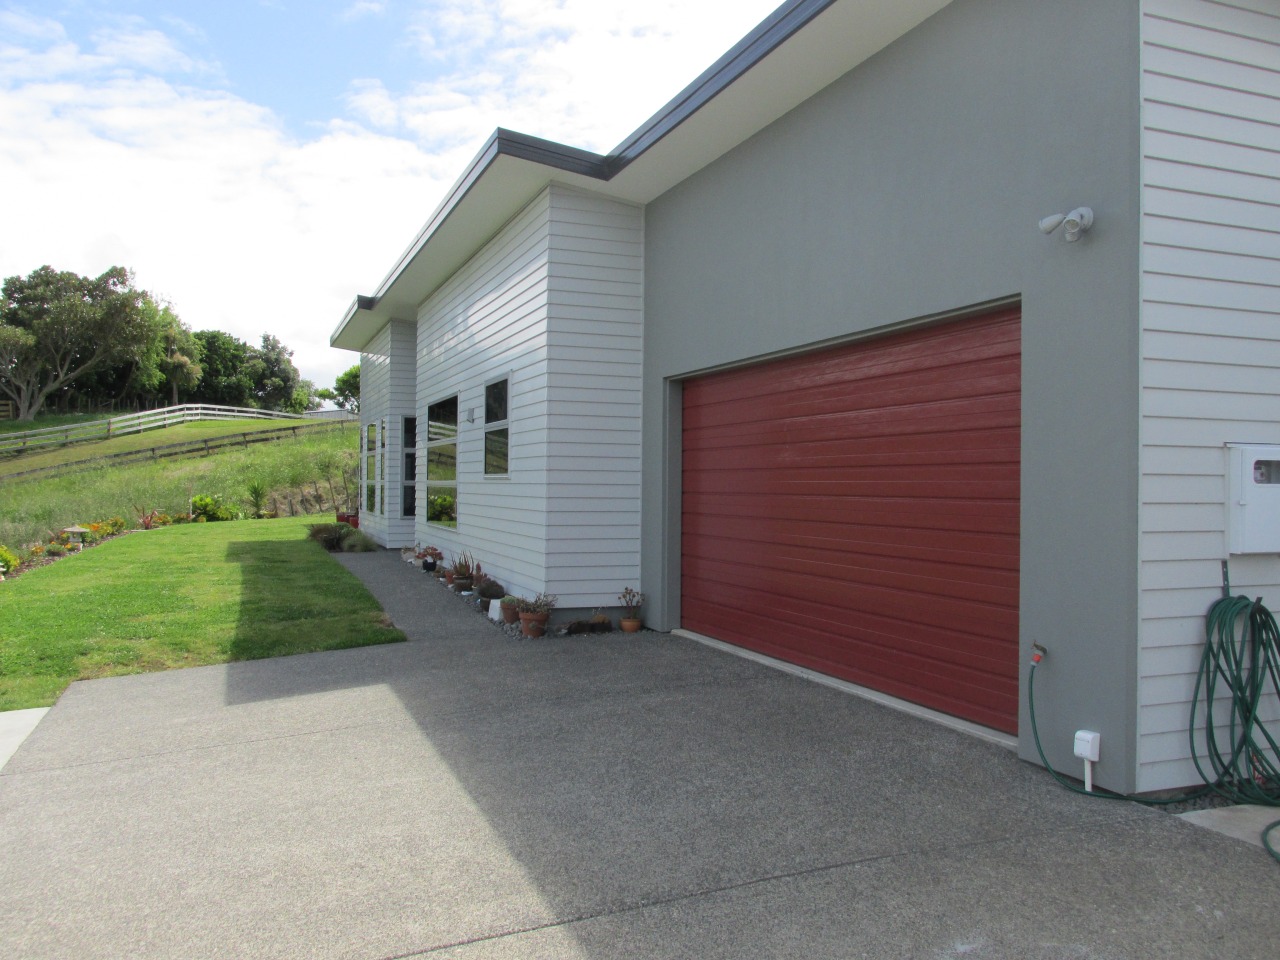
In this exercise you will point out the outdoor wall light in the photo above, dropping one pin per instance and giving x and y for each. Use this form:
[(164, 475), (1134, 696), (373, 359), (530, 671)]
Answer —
[(1073, 224)]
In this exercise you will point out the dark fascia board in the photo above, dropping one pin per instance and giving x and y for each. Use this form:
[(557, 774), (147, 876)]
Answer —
[(508, 143), (775, 30), (772, 32)]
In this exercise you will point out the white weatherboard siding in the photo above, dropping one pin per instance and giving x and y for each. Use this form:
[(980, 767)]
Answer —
[(1210, 333), (387, 397), (553, 302), (375, 402), (594, 378), (402, 382)]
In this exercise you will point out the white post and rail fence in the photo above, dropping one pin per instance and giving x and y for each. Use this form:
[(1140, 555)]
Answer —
[(29, 440)]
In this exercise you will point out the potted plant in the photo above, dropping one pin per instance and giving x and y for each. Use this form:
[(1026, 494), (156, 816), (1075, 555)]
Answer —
[(464, 569), (510, 609), (535, 613), (632, 601), (430, 557), (488, 590)]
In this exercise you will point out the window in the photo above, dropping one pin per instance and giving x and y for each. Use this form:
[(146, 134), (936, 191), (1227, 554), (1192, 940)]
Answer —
[(371, 468), (409, 492), (495, 429), (382, 467), (442, 462)]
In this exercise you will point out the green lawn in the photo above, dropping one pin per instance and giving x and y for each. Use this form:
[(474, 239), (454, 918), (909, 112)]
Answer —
[(179, 596), (179, 433)]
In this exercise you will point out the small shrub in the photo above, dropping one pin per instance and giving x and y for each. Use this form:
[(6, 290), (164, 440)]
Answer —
[(8, 559), (542, 603), (356, 542), (257, 491), (491, 590), (210, 507), (329, 535), (55, 550)]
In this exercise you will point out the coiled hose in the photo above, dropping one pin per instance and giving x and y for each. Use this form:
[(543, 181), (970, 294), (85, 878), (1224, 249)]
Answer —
[(1240, 666)]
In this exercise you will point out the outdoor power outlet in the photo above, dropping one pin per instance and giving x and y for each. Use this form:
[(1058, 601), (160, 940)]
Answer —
[(1088, 744)]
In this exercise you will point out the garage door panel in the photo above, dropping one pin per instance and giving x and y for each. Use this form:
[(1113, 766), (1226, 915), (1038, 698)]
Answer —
[(858, 512), (977, 615), (781, 540), (978, 352), (977, 696), (823, 572), (907, 420), (958, 515)]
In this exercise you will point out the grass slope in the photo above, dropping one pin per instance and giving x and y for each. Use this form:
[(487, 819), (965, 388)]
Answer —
[(41, 457), (323, 464), (178, 597)]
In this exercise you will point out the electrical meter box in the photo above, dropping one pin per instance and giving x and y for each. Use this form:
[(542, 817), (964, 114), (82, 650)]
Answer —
[(1253, 498)]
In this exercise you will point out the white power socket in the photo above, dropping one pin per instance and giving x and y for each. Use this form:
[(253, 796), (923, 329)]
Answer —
[(1088, 744)]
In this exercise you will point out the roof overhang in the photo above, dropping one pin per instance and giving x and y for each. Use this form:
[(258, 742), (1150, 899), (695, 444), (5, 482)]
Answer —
[(802, 47)]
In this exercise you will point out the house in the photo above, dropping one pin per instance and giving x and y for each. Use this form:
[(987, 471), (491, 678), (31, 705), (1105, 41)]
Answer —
[(796, 358)]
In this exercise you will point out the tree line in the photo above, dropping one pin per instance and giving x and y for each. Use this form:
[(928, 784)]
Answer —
[(70, 342)]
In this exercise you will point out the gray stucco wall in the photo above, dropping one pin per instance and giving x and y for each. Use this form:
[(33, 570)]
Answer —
[(911, 188)]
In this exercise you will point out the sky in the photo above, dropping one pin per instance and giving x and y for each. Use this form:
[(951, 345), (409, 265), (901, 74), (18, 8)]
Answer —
[(259, 163)]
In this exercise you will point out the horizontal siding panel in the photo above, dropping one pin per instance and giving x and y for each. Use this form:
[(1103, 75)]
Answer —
[(1221, 405), (1182, 206), (1184, 517), (1183, 544), (1199, 290), (1255, 48), (1252, 133), (1213, 154), (1193, 376), (1262, 20), (1214, 239), (1255, 268), (1211, 98), (1189, 488), (1217, 180)]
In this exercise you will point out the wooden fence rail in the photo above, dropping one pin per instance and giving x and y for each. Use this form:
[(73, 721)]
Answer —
[(15, 443), (166, 450)]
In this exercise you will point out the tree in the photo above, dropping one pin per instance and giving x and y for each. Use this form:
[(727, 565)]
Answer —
[(345, 394), (305, 397), (181, 364), (225, 380), (56, 326), (273, 374)]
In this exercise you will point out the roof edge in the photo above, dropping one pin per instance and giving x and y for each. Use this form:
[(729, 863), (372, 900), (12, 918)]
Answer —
[(775, 30)]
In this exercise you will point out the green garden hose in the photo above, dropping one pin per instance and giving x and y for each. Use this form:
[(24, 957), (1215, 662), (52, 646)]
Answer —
[(1239, 667)]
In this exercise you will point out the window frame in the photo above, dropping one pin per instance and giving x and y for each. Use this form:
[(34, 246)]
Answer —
[(498, 426), (409, 476), (441, 443)]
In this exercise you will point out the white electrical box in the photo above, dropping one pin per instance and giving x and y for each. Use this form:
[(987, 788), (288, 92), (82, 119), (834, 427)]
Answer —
[(1253, 498)]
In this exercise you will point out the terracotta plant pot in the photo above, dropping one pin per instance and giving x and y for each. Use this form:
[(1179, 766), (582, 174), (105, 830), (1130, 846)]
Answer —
[(534, 624), (510, 614), (631, 625), (463, 584)]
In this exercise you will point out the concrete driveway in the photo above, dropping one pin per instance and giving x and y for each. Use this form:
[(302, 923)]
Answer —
[(465, 795)]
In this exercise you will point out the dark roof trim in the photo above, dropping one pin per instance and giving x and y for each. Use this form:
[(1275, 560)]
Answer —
[(503, 143), (774, 31)]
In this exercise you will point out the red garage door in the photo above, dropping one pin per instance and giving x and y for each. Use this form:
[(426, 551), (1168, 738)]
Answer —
[(856, 511)]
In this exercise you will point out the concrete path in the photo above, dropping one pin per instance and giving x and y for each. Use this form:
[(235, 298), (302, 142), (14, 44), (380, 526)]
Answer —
[(464, 795)]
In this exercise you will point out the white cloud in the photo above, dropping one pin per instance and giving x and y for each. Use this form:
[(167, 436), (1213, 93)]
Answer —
[(363, 8), (105, 157)]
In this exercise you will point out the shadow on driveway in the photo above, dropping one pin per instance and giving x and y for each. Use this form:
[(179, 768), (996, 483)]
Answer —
[(467, 795)]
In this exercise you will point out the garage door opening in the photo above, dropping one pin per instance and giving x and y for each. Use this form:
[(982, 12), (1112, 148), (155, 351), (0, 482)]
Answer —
[(855, 511)]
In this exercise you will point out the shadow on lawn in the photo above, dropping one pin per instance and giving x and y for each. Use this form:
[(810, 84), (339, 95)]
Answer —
[(294, 599)]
